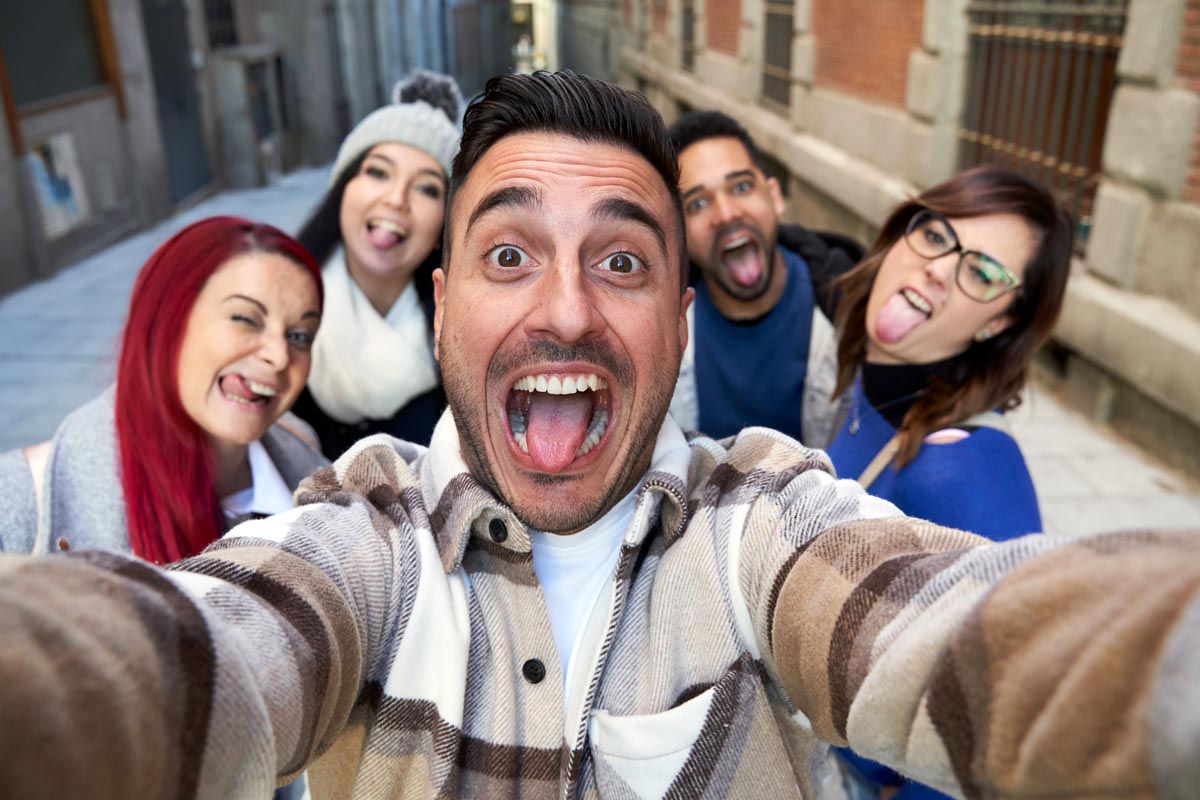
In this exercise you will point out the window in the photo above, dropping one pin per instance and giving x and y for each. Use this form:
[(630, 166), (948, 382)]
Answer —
[(777, 55), (1040, 80), (688, 35), (50, 48), (222, 29)]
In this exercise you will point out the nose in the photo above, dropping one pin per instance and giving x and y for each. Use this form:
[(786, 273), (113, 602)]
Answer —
[(566, 306), (941, 269), (727, 209), (273, 350), (397, 194)]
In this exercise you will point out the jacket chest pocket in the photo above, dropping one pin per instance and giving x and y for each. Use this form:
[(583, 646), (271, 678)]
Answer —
[(723, 742)]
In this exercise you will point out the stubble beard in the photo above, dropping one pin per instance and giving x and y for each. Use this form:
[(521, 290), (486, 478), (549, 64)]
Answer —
[(715, 268), (470, 413)]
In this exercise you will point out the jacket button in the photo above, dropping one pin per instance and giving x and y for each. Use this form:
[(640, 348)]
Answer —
[(63, 544), (533, 670), (498, 531)]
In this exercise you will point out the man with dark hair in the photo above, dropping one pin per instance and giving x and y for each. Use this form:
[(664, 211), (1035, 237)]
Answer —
[(565, 597), (763, 301)]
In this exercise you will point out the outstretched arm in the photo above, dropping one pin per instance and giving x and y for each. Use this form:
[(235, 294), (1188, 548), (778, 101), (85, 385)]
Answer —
[(213, 678), (1036, 667)]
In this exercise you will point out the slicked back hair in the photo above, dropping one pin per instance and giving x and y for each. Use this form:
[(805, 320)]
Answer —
[(573, 105), (698, 126)]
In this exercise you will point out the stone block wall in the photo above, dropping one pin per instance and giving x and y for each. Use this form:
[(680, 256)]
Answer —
[(877, 98)]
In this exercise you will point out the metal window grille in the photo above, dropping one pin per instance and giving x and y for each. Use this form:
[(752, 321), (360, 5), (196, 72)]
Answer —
[(688, 35), (1040, 80), (222, 29), (777, 55)]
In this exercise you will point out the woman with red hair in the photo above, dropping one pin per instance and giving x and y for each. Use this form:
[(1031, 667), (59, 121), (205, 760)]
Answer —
[(195, 436)]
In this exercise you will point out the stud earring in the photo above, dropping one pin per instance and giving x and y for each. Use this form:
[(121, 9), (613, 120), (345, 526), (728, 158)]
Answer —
[(983, 335)]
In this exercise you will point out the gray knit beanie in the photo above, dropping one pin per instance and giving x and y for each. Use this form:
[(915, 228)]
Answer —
[(424, 114)]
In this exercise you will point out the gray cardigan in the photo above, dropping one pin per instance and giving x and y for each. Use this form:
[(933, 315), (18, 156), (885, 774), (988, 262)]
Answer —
[(82, 502)]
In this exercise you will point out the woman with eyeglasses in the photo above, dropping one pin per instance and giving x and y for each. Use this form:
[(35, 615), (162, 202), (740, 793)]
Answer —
[(938, 325)]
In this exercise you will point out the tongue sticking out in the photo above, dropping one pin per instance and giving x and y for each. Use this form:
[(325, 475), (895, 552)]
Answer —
[(744, 264), (896, 319), (382, 238), (557, 425), (236, 385)]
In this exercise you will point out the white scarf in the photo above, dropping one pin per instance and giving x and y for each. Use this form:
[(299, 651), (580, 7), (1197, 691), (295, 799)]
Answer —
[(365, 366)]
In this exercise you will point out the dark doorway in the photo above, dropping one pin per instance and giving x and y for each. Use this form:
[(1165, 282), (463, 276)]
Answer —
[(188, 169)]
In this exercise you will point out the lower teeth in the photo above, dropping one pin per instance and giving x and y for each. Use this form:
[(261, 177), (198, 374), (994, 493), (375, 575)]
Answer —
[(516, 423)]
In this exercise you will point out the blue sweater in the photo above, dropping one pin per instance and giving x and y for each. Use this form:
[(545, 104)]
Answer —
[(979, 484)]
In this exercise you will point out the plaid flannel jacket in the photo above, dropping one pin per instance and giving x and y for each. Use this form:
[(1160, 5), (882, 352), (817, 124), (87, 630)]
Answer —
[(389, 623)]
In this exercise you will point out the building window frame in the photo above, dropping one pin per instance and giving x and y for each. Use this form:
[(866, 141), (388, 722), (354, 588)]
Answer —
[(776, 72)]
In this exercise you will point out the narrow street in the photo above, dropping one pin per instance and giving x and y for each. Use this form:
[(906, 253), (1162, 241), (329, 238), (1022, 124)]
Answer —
[(60, 341)]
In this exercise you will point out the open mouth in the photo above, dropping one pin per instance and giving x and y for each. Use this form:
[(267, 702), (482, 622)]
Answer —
[(557, 418), (245, 391), (742, 259), (903, 312), (385, 234)]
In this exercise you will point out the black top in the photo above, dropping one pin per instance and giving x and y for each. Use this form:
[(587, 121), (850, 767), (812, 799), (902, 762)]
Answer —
[(892, 389), (412, 423)]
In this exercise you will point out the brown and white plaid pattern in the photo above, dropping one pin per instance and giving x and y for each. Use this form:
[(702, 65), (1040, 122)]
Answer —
[(380, 627)]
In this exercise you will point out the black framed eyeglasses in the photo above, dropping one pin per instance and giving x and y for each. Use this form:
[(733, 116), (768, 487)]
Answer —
[(979, 276)]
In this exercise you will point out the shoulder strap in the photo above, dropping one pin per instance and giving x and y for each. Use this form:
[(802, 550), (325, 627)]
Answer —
[(880, 462)]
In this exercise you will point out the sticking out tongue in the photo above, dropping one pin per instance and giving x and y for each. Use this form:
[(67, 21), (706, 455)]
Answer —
[(382, 238), (897, 319), (235, 384), (744, 264), (556, 427)]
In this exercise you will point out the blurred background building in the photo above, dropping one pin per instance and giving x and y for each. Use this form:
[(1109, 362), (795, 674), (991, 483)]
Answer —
[(120, 112), (859, 102)]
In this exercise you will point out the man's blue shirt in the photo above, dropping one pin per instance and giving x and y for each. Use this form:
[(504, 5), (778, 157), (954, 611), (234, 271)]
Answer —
[(752, 373)]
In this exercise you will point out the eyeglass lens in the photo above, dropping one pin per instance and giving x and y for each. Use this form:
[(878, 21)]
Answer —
[(978, 276)]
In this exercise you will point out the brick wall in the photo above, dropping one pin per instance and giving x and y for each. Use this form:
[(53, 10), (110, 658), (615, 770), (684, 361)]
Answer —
[(724, 19), (863, 46), (1187, 75), (658, 16)]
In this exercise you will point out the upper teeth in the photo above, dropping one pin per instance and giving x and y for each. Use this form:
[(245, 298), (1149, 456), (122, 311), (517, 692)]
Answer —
[(918, 302), (391, 226), (738, 242), (558, 384), (260, 388)]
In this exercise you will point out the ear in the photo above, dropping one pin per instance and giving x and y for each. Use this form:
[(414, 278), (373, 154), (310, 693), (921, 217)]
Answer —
[(439, 309), (776, 196), (689, 295), (994, 328)]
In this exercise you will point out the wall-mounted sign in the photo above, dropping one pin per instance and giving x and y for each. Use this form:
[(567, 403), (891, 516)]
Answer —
[(58, 183)]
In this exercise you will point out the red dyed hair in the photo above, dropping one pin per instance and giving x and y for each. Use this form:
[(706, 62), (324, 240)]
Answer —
[(167, 466)]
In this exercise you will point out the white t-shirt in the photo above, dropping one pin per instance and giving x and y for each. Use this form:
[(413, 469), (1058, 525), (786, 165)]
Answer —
[(573, 570), (268, 492)]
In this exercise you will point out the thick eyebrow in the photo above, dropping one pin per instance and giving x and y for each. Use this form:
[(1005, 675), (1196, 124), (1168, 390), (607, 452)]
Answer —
[(620, 209), (508, 197), (263, 309), (423, 170), (741, 173)]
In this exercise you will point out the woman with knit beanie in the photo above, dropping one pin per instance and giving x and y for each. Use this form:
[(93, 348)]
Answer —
[(378, 234)]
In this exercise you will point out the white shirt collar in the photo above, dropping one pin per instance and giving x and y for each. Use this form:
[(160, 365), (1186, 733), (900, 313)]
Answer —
[(268, 493)]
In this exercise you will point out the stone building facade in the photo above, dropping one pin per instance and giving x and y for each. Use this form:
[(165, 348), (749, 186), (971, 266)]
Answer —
[(119, 112), (859, 103)]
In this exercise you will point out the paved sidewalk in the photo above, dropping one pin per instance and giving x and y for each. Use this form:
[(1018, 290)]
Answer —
[(59, 340)]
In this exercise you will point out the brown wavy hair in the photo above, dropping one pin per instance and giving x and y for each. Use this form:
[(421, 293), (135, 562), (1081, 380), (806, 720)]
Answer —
[(989, 374)]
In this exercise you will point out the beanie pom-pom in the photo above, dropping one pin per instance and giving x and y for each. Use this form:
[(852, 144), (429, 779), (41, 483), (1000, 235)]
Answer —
[(438, 90)]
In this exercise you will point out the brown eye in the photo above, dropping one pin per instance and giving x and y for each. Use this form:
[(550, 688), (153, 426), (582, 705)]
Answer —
[(622, 263), (507, 256)]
